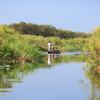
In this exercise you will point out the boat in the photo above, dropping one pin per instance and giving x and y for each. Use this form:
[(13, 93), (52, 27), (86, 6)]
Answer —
[(54, 52), (52, 49)]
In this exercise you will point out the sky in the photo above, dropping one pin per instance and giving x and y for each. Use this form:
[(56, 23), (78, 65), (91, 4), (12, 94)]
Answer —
[(74, 15)]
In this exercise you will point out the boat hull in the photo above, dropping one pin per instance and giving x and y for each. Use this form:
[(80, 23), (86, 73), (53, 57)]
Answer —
[(57, 52)]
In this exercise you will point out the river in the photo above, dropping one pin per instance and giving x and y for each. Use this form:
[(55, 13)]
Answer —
[(59, 77)]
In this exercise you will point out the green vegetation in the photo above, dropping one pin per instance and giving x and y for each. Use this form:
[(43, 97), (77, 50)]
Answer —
[(72, 44), (15, 47), (93, 70), (46, 31), (94, 47), (76, 44), (24, 42)]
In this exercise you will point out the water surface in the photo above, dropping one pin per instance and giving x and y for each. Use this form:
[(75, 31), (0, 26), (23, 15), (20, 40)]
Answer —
[(58, 78)]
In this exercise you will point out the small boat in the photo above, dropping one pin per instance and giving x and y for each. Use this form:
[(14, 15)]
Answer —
[(54, 52)]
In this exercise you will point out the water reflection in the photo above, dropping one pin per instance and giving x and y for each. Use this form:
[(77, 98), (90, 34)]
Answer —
[(16, 73), (12, 74), (94, 77), (52, 57)]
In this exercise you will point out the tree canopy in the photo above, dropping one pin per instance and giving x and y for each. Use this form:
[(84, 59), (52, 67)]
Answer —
[(45, 30)]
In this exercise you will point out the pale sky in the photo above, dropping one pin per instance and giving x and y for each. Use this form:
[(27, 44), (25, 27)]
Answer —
[(75, 15)]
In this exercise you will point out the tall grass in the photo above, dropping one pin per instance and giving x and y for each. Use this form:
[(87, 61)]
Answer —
[(94, 60), (15, 47), (77, 44)]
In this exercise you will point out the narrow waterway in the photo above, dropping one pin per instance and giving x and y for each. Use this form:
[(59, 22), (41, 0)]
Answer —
[(61, 77)]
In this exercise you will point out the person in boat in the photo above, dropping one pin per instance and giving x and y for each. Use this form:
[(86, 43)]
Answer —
[(53, 50), (49, 46), (56, 50)]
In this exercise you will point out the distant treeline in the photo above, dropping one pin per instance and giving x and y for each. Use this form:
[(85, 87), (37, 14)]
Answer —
[(45, 31)]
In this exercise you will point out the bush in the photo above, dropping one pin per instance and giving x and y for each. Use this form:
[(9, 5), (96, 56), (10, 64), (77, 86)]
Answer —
[(15, 46)]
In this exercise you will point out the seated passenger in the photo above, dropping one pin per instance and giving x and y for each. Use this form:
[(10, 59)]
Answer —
[(56, 50)]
